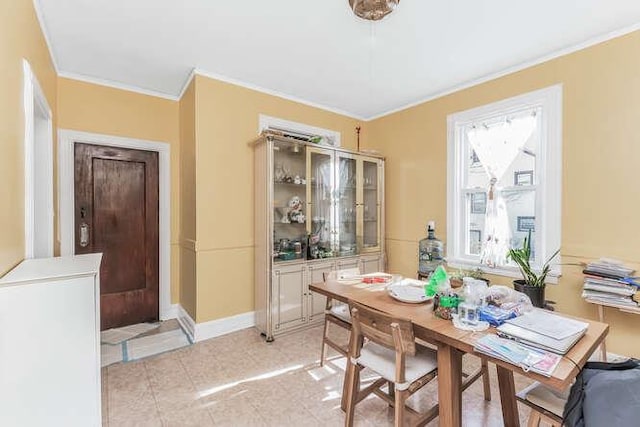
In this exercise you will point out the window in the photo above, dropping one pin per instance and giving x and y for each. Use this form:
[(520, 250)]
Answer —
[(516, 142)]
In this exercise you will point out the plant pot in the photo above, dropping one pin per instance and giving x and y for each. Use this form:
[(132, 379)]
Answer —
[(455, 283), (535, 293)]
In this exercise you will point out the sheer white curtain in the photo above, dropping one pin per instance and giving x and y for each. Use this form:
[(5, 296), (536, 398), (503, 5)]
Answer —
[(497, 146)]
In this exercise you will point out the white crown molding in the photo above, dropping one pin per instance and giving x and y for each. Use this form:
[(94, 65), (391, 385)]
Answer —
[(271, 92), (45, 34), (187, 82), (116, 85), (522, 66), (456, 88)]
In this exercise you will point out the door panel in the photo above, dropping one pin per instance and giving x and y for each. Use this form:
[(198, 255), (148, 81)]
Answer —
[(320, 206), (346, 204), (370, 264), (317, 302), (370, 212), (116, 202), (290, 296), (343, 264)]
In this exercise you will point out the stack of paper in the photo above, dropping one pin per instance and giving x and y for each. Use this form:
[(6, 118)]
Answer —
[(609, 282), (544, 330), (529, 359), (606, 267)]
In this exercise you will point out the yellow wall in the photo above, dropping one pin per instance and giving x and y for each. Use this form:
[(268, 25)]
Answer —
[(226, 120), (20, 37), (601, 151), (99, 109), (188, 202)]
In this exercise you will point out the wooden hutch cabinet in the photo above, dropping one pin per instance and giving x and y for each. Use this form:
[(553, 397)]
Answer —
[(317, 209)]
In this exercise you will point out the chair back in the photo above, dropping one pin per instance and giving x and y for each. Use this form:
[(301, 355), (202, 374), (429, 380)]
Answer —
[(391, 332)]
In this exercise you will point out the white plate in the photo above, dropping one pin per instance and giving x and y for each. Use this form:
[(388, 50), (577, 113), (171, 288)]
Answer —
[(408, 293)]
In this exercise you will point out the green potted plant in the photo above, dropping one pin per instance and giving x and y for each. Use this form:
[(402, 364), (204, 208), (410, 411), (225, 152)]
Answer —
[(456, 278), (532, 284)]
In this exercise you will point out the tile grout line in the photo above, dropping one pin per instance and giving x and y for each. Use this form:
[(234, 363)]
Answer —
[(153, 392), (105, 398), (193, 384)]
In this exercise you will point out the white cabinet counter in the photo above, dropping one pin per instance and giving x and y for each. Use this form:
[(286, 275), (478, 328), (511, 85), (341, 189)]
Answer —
[(50, 343)]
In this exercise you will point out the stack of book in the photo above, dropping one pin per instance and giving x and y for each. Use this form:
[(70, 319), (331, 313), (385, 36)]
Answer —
[(609, 282), (535, 340), (545, 330)]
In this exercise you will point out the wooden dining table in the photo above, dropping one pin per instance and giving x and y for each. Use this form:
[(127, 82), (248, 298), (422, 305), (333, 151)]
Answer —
[(452, 343)]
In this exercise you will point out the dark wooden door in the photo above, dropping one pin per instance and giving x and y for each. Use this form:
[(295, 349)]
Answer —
[(116, 213)]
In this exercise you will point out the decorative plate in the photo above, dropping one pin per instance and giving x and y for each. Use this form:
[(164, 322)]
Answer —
[(408, 293)]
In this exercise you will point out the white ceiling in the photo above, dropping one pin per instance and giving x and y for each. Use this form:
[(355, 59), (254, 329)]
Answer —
[(317, 51)]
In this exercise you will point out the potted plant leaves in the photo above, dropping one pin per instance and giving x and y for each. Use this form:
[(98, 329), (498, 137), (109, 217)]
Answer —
[(456, 277), (532, 284)]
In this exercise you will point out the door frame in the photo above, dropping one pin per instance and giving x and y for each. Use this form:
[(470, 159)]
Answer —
[(37, 154), (66, 200)]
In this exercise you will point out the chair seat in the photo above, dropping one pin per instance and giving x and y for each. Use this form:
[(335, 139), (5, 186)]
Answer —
[(546, 398), (383, 361), (341, 311)]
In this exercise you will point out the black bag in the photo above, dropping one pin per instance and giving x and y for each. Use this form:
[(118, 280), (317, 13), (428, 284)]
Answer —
[(605, 394)]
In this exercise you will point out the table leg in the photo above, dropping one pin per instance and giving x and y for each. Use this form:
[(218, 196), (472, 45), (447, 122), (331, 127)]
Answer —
[(449, 386), (508, 398), (603, 346)]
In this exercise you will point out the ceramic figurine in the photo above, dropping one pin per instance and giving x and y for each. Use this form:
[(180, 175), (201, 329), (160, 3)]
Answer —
[(295, 210)]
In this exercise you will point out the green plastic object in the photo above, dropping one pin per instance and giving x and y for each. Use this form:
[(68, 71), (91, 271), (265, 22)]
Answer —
[(450, 301), (438, 277)]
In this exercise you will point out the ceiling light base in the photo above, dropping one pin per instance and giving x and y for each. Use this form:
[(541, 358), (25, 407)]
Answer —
[(373, 10)]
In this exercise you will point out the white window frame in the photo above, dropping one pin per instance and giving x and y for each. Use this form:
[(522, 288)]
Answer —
[(548, 170)]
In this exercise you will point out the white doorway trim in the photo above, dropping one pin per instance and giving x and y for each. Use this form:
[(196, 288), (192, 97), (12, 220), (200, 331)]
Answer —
[(38, 168), (66, 142)]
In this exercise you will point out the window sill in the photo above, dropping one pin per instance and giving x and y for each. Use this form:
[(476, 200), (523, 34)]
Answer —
[(505, 271)]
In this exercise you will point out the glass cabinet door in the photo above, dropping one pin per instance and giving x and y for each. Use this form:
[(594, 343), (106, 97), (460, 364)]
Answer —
[(370, 204), (320, 221), (346, 208), (289, 201)]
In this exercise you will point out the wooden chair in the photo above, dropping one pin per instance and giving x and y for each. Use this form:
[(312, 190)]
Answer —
[(391, 352), (546, 405), (337, 313)]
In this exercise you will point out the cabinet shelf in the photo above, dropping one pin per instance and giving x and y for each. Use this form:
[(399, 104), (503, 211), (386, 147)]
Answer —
[(291, 184)]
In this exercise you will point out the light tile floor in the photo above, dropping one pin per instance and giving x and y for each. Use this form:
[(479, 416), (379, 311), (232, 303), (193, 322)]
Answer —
[(239, 380)]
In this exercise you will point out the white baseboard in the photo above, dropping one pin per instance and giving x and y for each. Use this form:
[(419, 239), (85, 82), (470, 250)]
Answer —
[(187, 323), (171, 313), (215, 328)]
